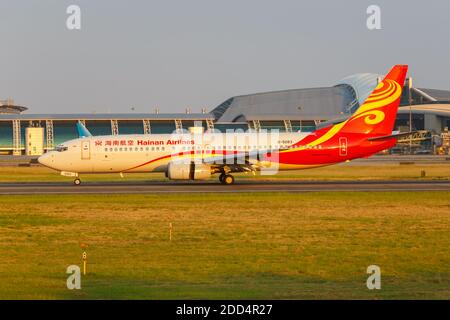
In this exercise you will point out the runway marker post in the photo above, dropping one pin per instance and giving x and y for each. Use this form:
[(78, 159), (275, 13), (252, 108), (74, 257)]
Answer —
[(83, 246), (84, 256), (170, 231)]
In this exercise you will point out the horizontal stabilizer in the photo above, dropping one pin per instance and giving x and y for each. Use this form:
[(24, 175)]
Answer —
[(396, 135)]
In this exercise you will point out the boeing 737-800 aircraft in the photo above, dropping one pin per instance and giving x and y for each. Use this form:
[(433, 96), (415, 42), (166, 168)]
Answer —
[(196, 156)]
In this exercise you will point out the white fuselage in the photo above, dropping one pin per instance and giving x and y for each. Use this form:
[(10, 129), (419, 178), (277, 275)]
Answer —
[(153, 152)]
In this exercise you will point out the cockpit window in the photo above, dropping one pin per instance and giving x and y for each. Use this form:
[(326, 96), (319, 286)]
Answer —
[(61, 148)]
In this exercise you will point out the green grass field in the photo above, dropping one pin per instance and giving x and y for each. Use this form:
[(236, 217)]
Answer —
[(261, 246)]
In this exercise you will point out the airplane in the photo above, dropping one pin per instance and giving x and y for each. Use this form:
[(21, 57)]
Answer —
[(200, 155)]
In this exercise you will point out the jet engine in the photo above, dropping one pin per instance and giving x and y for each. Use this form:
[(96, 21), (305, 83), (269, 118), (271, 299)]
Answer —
[(188, 171)]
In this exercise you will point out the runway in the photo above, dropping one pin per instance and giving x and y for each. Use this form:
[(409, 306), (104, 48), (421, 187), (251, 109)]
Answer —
[(152, 187)]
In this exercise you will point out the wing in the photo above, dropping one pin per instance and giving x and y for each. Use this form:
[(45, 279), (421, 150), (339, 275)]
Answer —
[(240, 161)]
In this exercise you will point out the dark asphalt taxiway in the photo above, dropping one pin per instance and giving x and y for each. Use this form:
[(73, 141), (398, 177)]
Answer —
[(152, 187)]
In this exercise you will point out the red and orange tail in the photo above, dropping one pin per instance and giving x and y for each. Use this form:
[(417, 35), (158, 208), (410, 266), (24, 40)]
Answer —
[(378, 113)]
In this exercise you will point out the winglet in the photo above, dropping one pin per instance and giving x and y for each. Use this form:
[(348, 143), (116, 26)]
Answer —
[(82, 130)]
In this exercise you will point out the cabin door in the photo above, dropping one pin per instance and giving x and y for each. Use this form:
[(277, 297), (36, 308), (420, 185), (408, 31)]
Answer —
[(343, 146), (85, 150)]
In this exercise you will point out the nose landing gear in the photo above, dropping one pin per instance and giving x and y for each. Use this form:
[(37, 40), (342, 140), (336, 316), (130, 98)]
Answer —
[(77, 182)]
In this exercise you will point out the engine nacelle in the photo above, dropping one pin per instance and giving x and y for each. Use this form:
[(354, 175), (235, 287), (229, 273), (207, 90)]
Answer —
[(188, 171)]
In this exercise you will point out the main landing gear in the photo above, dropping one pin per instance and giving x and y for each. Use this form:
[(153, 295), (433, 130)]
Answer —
[(226, 179), (77, 182)]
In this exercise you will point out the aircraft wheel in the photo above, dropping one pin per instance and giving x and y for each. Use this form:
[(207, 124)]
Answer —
[(228, 179), (77, 182)]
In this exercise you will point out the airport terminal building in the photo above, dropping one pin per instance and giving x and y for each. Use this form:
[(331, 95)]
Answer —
[(287, 110)]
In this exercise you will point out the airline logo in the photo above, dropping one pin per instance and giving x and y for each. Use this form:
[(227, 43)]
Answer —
[(124, 143), (372, 113), (111, 143), (387, 92), (168, 142)]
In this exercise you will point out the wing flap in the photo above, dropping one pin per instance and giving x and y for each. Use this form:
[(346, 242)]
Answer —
[(239, 157)]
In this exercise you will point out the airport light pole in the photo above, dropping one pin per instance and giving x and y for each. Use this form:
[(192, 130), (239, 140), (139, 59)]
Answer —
[(410, 113)]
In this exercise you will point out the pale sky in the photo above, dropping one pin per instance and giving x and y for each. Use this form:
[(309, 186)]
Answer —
[(197, 53)]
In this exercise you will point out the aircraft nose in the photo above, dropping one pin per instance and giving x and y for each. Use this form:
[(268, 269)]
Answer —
[(45, 159)]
